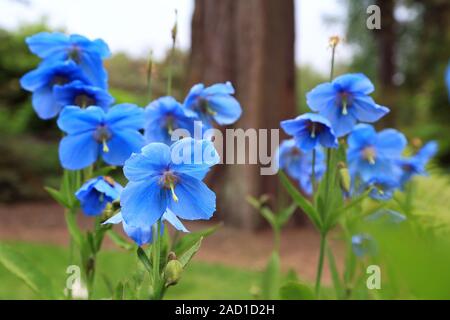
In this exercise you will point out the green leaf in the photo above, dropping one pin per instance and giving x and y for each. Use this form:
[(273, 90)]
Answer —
[(73, 228), (119, 240), (57, 196), (269, 216), (271, 278), (190, 239), (26, 270), (144, 259), (296, 291), (304, 204), (285, 214), (119, 293), (335, 274), (187, 256)]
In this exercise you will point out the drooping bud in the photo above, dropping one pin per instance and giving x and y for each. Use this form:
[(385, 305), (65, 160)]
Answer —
[(172, 273), (344, 177)]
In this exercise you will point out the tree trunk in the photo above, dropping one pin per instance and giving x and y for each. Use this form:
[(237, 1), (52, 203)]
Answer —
[(386, 39), (251, 44)]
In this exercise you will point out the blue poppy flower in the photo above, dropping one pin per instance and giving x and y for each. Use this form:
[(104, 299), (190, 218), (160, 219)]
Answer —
[(363, 244), (42, 80), (382, 187), (213, 103), (144, 234), (92, 132), (416, 165), (96, 193), (87, 54), (162, 117), (309, 130), (345, 101), (298, 164), (76, 93), (447, 79), (163, 177), (371, 154)]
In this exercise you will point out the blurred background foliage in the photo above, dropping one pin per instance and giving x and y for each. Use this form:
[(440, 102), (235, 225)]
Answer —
[(412, 54)]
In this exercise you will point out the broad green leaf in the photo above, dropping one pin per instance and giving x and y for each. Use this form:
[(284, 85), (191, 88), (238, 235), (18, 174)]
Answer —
[(190, 239), (296, 291), (144, 259), (57, 196), (26, 270), (304, 204), (119, 240), (187, 256), (271, 278)]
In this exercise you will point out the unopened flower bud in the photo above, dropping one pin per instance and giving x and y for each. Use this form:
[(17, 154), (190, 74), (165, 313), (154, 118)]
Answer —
[(334, 41), (173, 272), (344, 177)]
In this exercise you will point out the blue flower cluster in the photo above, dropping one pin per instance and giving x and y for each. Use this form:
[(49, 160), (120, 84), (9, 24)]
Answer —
[(374, 159), (165, 178)]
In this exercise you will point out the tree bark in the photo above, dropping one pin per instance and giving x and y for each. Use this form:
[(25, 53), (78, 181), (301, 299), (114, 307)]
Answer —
[(251, 44), (386, 39)]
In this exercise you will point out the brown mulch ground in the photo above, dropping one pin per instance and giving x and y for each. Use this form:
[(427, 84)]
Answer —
[(44, 223)]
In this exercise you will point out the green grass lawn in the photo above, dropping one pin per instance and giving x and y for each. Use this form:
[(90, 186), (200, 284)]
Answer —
[(199, 281)]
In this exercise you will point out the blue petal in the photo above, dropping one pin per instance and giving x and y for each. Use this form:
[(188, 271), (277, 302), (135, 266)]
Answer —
[(74, 120), (366, 110), (219, 88), (195, 200), (328, 139), (363, 135), (390, 143), (155, 157), (141, 235), (305, 141), (293, 126), (342, 124), (78, 151), (45, 44), (92, 205), (92, 66), (125, 116), (122, 144), (44, 103), (193, 157), (173, 220), (321, 96), (143, 202), (112, 192), (354, 83), (227, 108), (35, 79)]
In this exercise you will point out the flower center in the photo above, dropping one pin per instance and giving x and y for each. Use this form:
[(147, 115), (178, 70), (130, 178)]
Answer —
[(74, 54), (369, 153), (203, 107), (59, 80), (169, 123), (314, 128), (168, 181), (344, 101), (83, 100), (102, 135)]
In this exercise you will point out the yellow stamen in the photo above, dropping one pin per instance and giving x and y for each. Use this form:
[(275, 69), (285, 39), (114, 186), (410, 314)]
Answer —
[(172, 189), (105, 146)]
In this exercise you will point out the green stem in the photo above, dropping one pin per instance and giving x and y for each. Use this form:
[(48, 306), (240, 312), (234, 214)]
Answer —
[(156, 251), (277, 241), (333, 52), (320, 264)]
